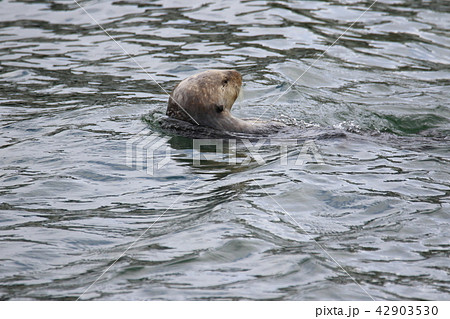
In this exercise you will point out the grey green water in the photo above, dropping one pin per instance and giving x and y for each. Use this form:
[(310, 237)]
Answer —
[(370, 221)]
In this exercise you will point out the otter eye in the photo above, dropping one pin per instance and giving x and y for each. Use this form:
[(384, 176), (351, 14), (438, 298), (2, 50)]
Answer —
[(219, 108), (225, 82)]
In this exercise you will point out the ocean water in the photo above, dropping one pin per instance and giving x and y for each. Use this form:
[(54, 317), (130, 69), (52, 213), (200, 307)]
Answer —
[(97, 202)]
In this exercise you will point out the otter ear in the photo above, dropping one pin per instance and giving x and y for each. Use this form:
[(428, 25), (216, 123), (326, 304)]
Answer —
[(219, 108)]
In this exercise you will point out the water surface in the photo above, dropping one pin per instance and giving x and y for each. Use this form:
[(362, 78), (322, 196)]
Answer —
[(368, 222)]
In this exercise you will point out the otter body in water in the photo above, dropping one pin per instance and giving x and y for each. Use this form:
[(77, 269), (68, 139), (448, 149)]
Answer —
[(205, 99), (200, 106)]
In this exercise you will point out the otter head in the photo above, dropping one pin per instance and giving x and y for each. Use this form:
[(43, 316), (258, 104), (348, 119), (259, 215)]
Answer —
[(205, 98)]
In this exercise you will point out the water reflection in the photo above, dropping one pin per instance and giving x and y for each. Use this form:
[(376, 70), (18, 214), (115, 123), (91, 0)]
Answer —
[(71, 99)]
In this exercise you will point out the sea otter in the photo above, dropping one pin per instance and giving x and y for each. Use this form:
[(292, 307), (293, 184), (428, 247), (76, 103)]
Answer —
[(205, 100)]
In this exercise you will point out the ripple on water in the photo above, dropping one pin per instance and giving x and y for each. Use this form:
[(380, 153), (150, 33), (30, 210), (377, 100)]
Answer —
[(378, 204)]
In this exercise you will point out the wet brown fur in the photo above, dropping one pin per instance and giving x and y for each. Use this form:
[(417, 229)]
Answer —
[(206, 99)]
